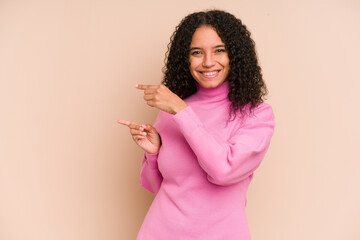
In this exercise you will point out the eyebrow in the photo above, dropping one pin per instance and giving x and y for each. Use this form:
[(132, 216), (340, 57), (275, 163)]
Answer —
[(217, 46)]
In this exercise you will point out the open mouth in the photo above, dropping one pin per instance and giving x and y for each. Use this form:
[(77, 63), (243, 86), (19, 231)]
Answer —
[(211, 74)]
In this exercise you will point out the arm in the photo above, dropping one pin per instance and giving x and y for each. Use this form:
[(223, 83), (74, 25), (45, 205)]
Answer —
[(147, 137), (231, 161), (150, 176)]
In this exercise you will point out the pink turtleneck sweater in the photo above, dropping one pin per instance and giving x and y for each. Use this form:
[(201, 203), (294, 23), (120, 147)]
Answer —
[(203, 169)]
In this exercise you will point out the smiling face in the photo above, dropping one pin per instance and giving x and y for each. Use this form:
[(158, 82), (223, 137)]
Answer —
[(209, 61)]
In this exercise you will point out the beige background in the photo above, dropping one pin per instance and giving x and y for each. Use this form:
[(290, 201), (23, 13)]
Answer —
[(67, 71)]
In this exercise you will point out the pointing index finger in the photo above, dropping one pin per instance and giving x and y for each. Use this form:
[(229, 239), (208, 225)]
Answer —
[(131, 124), (141, 86), (124, 122), (144, 86)]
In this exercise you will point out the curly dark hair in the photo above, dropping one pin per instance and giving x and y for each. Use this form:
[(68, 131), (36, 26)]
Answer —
[(246, 85)]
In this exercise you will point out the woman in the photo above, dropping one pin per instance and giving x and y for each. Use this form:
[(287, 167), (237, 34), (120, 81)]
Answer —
[(211, 134)]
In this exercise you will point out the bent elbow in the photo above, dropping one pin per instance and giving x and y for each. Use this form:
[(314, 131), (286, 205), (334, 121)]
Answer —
[(151, 187), (221, 178), (228, 178)]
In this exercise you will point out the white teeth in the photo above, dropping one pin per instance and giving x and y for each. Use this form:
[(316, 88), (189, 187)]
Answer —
[(210, 73)]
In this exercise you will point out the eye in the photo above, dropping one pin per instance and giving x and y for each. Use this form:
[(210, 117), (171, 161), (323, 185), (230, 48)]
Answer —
[(194, 53), (220, 50)]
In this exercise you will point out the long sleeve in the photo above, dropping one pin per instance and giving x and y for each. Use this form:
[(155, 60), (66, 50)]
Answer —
[(232, 160), (150, 176)]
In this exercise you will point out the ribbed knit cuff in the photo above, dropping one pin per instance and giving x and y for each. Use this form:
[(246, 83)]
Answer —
[(151, 159)]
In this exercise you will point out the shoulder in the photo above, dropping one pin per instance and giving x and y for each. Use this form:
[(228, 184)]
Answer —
[(262, 113)]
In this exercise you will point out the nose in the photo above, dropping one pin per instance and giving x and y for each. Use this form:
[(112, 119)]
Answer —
[(208, 60)]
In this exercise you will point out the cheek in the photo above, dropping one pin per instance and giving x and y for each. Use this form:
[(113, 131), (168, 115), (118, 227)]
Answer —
[(225, 61), (192, 66), (195, 62)]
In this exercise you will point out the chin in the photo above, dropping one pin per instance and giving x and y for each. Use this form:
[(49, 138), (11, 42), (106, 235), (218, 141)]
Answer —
[(211, 85)]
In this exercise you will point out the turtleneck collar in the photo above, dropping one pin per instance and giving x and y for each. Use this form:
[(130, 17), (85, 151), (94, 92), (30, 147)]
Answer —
[(218, 93)]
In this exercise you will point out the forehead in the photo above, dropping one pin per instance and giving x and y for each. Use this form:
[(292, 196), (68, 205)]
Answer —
[(205, 36)]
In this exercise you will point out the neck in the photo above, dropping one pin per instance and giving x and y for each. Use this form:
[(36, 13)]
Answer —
[(218, 93)]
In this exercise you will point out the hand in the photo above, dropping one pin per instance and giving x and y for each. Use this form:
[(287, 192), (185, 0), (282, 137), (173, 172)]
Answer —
[(144, 135), (161, 97)]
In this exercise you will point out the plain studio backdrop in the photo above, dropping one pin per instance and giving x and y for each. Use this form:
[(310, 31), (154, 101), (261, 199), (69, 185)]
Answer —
[(67, 73)]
